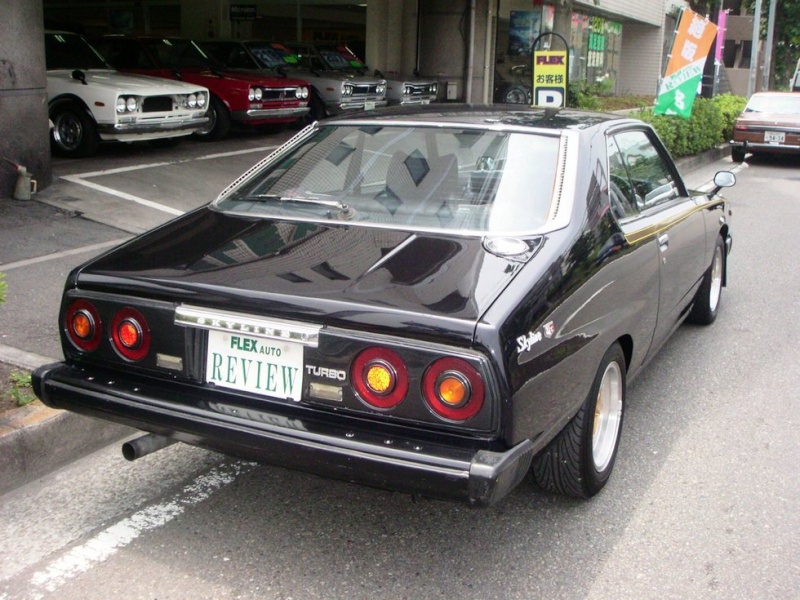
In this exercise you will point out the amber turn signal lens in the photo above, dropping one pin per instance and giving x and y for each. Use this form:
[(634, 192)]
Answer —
[(452, 390), (379, 378), (83, 325)]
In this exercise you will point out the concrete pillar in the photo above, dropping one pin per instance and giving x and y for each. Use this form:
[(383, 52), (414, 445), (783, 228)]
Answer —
[(24, 125)]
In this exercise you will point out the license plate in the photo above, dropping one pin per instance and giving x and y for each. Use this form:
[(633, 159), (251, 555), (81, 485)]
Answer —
[(255, 364), (774, 137), (369, 105)]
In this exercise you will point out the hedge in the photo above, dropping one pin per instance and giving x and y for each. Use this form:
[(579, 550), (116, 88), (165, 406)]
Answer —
[(710, 125)]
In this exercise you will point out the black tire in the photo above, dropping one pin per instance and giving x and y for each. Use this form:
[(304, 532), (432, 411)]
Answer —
[(737, 154), (516, 95), (316, 110), (709, 295), (579, 461), (74, 133), (219, 122)]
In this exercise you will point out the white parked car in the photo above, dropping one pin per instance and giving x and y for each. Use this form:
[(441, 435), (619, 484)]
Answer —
[(90, 102)]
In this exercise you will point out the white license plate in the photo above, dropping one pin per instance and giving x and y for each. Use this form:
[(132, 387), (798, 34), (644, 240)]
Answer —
[(369, 105), (774, 137), (255, 364)]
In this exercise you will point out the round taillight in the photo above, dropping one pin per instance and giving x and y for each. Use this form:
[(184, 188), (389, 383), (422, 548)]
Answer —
[(453, 389), (380, 378), (82, 324), (130, 334)]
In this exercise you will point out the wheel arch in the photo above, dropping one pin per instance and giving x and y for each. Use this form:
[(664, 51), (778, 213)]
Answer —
[(69, 100)]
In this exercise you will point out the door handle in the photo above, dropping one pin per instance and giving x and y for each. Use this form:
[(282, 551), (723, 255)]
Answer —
[(663, 242)]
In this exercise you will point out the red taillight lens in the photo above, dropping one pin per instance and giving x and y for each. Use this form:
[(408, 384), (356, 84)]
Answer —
[(130, 334), (82, 324), (453, 389), (380, 377)]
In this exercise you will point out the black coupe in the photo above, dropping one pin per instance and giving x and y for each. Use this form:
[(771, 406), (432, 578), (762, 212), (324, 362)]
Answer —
[(435, 301)]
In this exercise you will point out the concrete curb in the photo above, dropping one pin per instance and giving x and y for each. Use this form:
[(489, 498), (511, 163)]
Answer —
[(36, 440)]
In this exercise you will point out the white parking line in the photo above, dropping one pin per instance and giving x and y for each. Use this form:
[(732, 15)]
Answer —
[(106, 543), (81, 178), (62, 254)]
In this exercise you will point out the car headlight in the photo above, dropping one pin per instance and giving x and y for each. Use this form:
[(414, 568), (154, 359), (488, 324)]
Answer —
[(347, 89), (202, 100), (191, 100), (256, 93), (434, 89), (127, 104), (407, 91), (381, 89), (301, 92)]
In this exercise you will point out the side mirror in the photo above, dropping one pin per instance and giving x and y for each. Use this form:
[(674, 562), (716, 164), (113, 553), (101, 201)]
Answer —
[(722, 179), (79, 76)]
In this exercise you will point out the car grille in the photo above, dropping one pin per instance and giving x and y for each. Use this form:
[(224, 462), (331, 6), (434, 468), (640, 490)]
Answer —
[(419, 89), (157, 104), (365, 89), (273, 94)]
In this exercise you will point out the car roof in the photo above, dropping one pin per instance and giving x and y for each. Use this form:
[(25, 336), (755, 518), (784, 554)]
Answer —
[(486, 115)]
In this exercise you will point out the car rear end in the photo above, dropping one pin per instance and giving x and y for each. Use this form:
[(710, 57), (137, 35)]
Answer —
[(342, 402)]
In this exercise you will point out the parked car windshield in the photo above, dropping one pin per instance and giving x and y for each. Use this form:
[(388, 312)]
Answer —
[(71, 51), (269, 57), (178, 53), (782, 105), (412, 177)]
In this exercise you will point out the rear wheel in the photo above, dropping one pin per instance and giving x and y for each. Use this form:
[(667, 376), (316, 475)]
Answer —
[(707, 300), (737, 154), (74, 133), (579, 461), (219, 122)]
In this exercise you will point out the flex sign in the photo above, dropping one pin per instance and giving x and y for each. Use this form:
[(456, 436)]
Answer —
[(550, 78)]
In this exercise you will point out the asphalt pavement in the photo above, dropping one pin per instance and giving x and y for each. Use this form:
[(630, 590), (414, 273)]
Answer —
[(82, 214)]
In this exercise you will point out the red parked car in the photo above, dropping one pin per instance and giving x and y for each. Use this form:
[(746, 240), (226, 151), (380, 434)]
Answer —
[(246, 98)]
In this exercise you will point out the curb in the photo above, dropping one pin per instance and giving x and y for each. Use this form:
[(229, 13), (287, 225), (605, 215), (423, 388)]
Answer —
[(36, 440)]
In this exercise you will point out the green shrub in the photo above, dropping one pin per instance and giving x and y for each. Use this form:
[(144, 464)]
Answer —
[(710, 125), (2, 288)]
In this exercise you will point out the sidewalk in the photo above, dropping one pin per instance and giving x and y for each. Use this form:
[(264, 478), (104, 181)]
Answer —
[(36, 440)]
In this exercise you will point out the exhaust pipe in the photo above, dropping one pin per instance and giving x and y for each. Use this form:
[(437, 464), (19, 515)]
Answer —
[(147, 444)]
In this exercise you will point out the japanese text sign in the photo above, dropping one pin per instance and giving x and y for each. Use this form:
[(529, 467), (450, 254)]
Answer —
[(550, 78), (692, 43)]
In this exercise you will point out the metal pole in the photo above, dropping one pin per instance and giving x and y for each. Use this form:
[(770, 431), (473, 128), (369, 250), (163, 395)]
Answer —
[(751, 84), (768, 49)]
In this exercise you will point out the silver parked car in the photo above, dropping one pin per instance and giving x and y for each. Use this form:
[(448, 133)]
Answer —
[(333, 90), (399, 89)]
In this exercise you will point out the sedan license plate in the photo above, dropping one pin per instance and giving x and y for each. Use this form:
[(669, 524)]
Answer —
[(255, 364), (774, 137), (369, 105)]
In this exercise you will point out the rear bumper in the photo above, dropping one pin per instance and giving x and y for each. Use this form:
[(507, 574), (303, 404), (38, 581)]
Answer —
[(761, 147), (297, 439)]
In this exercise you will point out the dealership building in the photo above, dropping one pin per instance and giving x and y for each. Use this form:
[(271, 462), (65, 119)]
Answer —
[(477, 49)]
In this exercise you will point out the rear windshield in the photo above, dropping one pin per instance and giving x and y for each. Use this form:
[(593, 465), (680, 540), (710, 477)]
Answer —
[(408, 177)]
